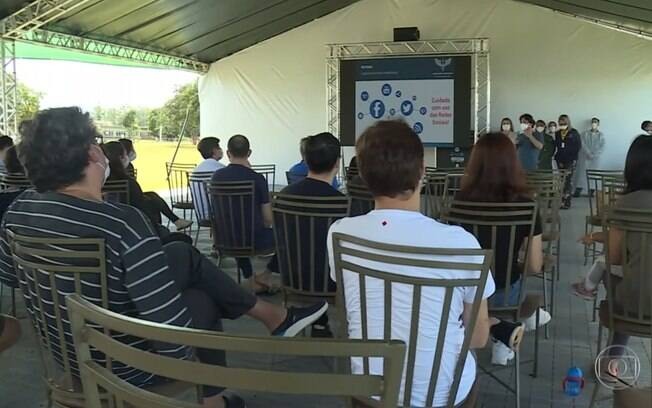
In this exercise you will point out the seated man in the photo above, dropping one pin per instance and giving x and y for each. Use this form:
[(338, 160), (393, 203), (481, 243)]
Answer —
[(390, 160), (5, 143), (300, 170), (238, 151), (170, 284), (322, 155), (210, 150)]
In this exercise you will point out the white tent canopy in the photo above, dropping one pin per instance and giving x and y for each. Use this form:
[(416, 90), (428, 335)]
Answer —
[(542, 62)]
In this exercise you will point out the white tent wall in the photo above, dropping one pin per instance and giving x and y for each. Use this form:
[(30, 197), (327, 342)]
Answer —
[(541, 62)]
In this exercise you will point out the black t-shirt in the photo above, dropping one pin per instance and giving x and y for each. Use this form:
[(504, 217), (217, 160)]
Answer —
[(237, 172), (501, 249), (310, 188)]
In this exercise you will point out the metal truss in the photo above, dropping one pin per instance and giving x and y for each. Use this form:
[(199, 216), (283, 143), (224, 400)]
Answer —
[(36, 14), (107, 49), (8, 88), (477, 48)]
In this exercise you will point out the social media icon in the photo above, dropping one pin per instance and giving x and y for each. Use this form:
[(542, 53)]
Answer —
[(360, 115), (377, 109), (392, 111), (398, 94), (386, 89), (418, 128), (364, 95), (407, 108), (423, 110)]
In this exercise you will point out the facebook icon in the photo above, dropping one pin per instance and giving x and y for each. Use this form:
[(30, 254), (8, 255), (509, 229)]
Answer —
[(377, 109)]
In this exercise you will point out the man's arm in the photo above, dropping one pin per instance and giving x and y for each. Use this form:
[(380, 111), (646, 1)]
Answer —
[(480, 334), (535, 142), (267, 214)]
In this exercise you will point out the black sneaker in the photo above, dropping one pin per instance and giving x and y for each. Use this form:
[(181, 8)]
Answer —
[(320, 331), (299, 318), (509, 333)]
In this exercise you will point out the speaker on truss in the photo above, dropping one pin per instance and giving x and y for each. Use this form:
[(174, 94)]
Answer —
[(406, 34)]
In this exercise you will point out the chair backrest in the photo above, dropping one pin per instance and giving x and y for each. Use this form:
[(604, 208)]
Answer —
[(452, 186), (292, 178), (433, 192), (132, 172), (594, 181), (268, 171), (362, 201), (116, 191), (613, 187), (548, 195), (233, 207), (177, 177), (48, 270), (366, 265), (197, 181), (491, 221), (631, 299), (86, 317), (300, 227), (15, 181), (350, 172)]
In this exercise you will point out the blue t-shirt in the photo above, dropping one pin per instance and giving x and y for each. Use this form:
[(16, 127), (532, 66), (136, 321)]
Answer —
[(528, 154), (301, 170), (237, 172)]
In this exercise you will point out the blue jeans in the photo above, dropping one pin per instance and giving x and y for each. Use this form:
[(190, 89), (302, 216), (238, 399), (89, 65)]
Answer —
[(498, 298)]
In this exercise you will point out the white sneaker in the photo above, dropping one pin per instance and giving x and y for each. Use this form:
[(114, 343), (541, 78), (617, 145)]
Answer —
[(182, 224), (531, 322), (501, 354)]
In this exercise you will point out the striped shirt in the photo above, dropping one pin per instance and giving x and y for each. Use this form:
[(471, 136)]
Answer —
[(139, 282)]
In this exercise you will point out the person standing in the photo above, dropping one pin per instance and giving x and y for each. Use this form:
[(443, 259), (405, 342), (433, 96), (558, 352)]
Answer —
[(589, 157), (568, 143), (548, 151), (507, 128), (528, 143)]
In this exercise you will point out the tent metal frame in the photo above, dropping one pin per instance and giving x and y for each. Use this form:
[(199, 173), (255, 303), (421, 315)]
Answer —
[(477, 48)]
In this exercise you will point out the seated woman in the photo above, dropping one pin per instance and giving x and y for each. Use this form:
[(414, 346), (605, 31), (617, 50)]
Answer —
[(131, 155), (487, 179), (12, 163), (151, 205)]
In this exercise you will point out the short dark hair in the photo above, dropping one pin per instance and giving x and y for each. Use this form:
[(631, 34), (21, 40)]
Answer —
[(207, 145), (645, 124), (127, 144), (12, 163), (526, 117), (54, 147), (239, 146), (115, 151), (302, 145), (390, 158), (322, 152), (594, 119), (638, 166), (5, 142), (541, 123)]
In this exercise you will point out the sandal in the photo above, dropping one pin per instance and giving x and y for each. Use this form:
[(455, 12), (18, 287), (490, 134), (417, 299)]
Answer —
[(509, 333), (580, 291)]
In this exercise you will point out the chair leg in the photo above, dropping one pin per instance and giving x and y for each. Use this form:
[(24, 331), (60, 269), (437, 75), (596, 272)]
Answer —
[(557, 271), (2, 292), (13, 302), (517, 372), (535, 366), (595, 308), (197, 235), (546, 301), (586, 247), (597, 351)]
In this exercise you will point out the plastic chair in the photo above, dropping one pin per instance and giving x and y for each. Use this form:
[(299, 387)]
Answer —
[(177, 177), (595, 180), (353, 257), (197, 181), (96, 378)]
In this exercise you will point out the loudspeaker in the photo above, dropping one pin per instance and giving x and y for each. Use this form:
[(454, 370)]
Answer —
[(406, 34)]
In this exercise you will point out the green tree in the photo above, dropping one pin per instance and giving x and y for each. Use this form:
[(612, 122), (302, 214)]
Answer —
[(154, 121), (174, 112), (129, 121), (29, 102)]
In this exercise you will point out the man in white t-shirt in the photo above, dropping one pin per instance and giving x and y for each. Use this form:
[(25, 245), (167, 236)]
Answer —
[(210, 150), (390, 160)]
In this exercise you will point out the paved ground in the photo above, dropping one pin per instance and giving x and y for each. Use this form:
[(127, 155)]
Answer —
[(572, 341)]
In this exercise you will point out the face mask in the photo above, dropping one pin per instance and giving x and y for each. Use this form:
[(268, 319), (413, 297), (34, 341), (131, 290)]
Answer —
[(563, 127), (540, 129), (125, 161), (594, 126), (107, 169), (524, 126), (132, 156), (553, 129), (649, 132), (506, 127)]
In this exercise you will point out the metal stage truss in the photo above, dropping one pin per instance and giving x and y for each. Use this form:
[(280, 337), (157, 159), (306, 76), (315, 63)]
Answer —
[(27, 25), (477, 48)]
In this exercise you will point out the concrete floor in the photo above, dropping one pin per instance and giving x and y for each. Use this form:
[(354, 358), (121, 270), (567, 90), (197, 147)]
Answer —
[(572, 341)]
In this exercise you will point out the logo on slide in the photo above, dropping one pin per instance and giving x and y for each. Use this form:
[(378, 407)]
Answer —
[(398, 94), (407, 108), (364, 95), (377, 109), (392, 111), (418, 128), (423, 110), (360, 115), (386, 89), (442, 63)]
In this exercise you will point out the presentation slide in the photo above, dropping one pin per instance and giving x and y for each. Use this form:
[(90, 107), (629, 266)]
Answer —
[(431, 94)]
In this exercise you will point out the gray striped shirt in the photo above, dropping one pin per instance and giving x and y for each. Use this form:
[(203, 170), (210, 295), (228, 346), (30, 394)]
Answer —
[(139, 282)]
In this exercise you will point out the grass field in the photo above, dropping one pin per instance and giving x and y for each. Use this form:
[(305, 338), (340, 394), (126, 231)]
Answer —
[(151, 159)]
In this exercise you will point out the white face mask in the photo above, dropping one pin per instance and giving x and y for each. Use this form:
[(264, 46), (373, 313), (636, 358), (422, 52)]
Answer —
[(132, 156), (649, 132), (540, 129), (563, 127), (594, 126), (553, 129), (506, 128), (524, 126), (107, 169)]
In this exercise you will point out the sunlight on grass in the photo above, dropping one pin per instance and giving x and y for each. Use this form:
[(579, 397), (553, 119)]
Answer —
[(151, 159)]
